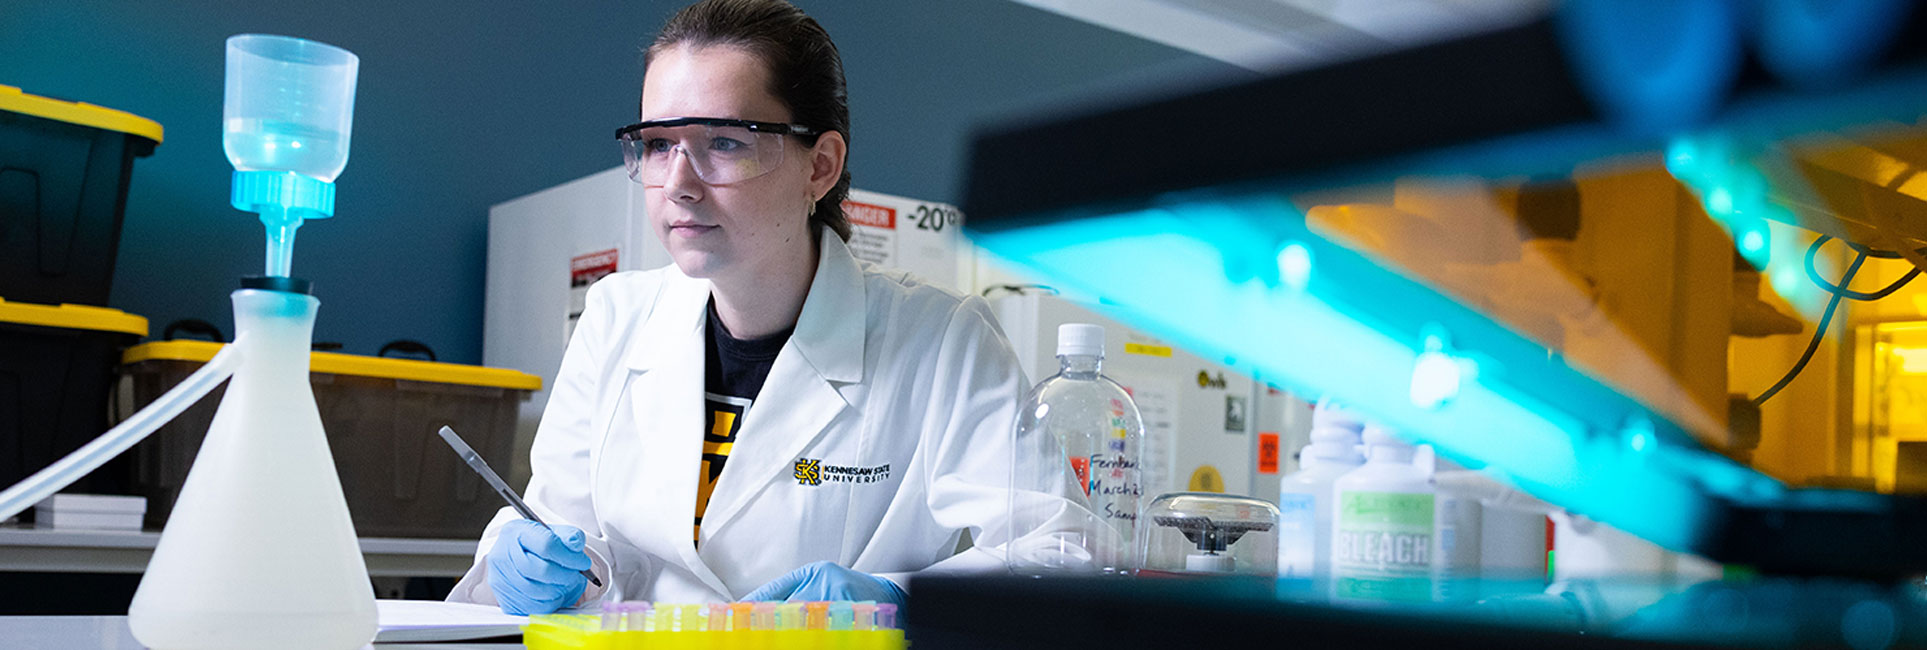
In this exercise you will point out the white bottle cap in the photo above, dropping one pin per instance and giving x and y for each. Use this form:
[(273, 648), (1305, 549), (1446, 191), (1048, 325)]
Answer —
[(1381, 443), (1331, 422), (1080, 339), (1328, 452), (1334, 436), (1376, 435)]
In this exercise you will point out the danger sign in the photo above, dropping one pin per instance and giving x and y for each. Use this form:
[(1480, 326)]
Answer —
[(874, 216), (1268, 453), (584, 270)]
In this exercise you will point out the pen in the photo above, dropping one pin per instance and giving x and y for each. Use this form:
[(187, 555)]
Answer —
[(495, 481)]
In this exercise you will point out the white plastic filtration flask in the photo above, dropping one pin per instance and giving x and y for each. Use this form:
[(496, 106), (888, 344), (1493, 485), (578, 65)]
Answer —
[(259, 551)]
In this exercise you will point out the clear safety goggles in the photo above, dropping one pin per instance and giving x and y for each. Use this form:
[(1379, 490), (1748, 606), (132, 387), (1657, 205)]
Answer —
[(722, 151)]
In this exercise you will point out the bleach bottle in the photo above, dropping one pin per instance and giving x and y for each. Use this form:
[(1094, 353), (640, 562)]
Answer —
[(1382, 546), (1305, 496)]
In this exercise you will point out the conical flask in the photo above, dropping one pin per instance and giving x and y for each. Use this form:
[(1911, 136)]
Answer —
[(259, 551)]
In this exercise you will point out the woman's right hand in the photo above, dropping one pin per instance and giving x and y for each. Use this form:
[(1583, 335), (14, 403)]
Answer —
[(536, 569)]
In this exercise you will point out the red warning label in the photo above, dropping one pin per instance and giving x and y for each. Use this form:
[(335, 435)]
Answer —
[(1268, 453), (874, 216), (584, 270)]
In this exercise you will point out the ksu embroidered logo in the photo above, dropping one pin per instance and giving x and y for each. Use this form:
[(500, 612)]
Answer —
[(812, 471), (809, 471)]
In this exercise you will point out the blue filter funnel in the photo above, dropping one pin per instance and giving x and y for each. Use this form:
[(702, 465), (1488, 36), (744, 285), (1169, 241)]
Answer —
[(289, 105)]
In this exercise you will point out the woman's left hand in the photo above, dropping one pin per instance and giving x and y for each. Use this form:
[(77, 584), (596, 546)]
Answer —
[(828, 581)]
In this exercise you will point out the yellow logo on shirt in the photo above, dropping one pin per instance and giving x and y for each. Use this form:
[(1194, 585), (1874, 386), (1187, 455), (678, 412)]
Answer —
[(812, 471), (808, 471)]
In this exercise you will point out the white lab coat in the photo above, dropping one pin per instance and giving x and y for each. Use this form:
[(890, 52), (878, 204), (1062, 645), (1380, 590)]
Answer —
[(892, 379)]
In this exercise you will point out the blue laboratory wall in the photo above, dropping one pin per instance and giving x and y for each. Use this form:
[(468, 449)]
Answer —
[(463, 105)]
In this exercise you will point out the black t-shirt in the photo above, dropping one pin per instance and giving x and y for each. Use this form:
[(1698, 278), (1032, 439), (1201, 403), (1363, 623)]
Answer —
[(735, 371)]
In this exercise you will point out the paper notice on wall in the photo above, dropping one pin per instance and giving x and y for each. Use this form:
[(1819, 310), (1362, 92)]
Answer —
[(1157, 403), (894, 233), (584, 270), (873, 232)]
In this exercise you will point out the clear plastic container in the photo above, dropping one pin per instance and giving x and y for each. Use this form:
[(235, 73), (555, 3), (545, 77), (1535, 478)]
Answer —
[(289, 105), (1076, 472), (1201, 532)]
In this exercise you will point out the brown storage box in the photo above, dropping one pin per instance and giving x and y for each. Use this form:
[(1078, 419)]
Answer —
[(381, 416)]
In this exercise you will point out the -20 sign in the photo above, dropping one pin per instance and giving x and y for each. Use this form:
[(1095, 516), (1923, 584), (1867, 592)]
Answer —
[(936, 218)]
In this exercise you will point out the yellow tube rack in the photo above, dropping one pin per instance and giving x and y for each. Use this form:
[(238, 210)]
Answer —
[(722, 626)]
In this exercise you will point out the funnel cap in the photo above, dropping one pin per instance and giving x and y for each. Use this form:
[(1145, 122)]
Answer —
[(278, 283)]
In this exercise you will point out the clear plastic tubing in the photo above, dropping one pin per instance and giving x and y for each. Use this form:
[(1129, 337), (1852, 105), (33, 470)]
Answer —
[(119, 439)]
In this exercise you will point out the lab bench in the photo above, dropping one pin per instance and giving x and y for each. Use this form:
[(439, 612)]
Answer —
[(112, 633), (113, 551)]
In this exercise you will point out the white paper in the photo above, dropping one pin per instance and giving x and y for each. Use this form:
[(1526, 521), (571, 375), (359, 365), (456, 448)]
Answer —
[(435, 620), (1157, 403)]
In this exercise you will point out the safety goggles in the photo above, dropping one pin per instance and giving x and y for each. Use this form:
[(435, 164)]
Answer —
[(722, 151)]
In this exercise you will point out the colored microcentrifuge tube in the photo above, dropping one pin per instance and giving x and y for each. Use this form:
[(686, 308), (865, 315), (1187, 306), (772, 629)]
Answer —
[(718, 615), (863, 616), (886, 616), (741, 615), (638, 617), (842, 616), (691, 619), (817, 616), (611, 616), (764, 618), (789, 616)]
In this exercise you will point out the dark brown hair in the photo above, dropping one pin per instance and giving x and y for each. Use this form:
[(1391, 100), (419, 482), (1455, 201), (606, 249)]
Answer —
[(805, 71)]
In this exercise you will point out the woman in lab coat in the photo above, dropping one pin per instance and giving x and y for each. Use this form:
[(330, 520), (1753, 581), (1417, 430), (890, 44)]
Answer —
[(767, 417)]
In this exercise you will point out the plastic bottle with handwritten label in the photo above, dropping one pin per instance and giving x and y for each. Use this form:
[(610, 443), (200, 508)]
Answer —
[(1080, 431)]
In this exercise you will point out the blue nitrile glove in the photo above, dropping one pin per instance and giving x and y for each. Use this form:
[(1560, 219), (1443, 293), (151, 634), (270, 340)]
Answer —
[(534, 570), (828, 581)]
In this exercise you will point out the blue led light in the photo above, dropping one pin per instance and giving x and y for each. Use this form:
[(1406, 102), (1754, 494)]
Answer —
[(1682, 154), (1659, 67), (1435, 377), (1294, 266), (1733, 191), (1719, 201), (1786, 280), (1640, 437), (1814, 45), (1182, 271)]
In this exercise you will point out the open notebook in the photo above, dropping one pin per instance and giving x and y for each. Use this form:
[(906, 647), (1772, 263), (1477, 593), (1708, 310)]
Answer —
[(434, 620)]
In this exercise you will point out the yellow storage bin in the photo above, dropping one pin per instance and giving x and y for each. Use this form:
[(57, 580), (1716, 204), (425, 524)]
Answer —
[(56, 374), (381, 416), (64, 169)]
